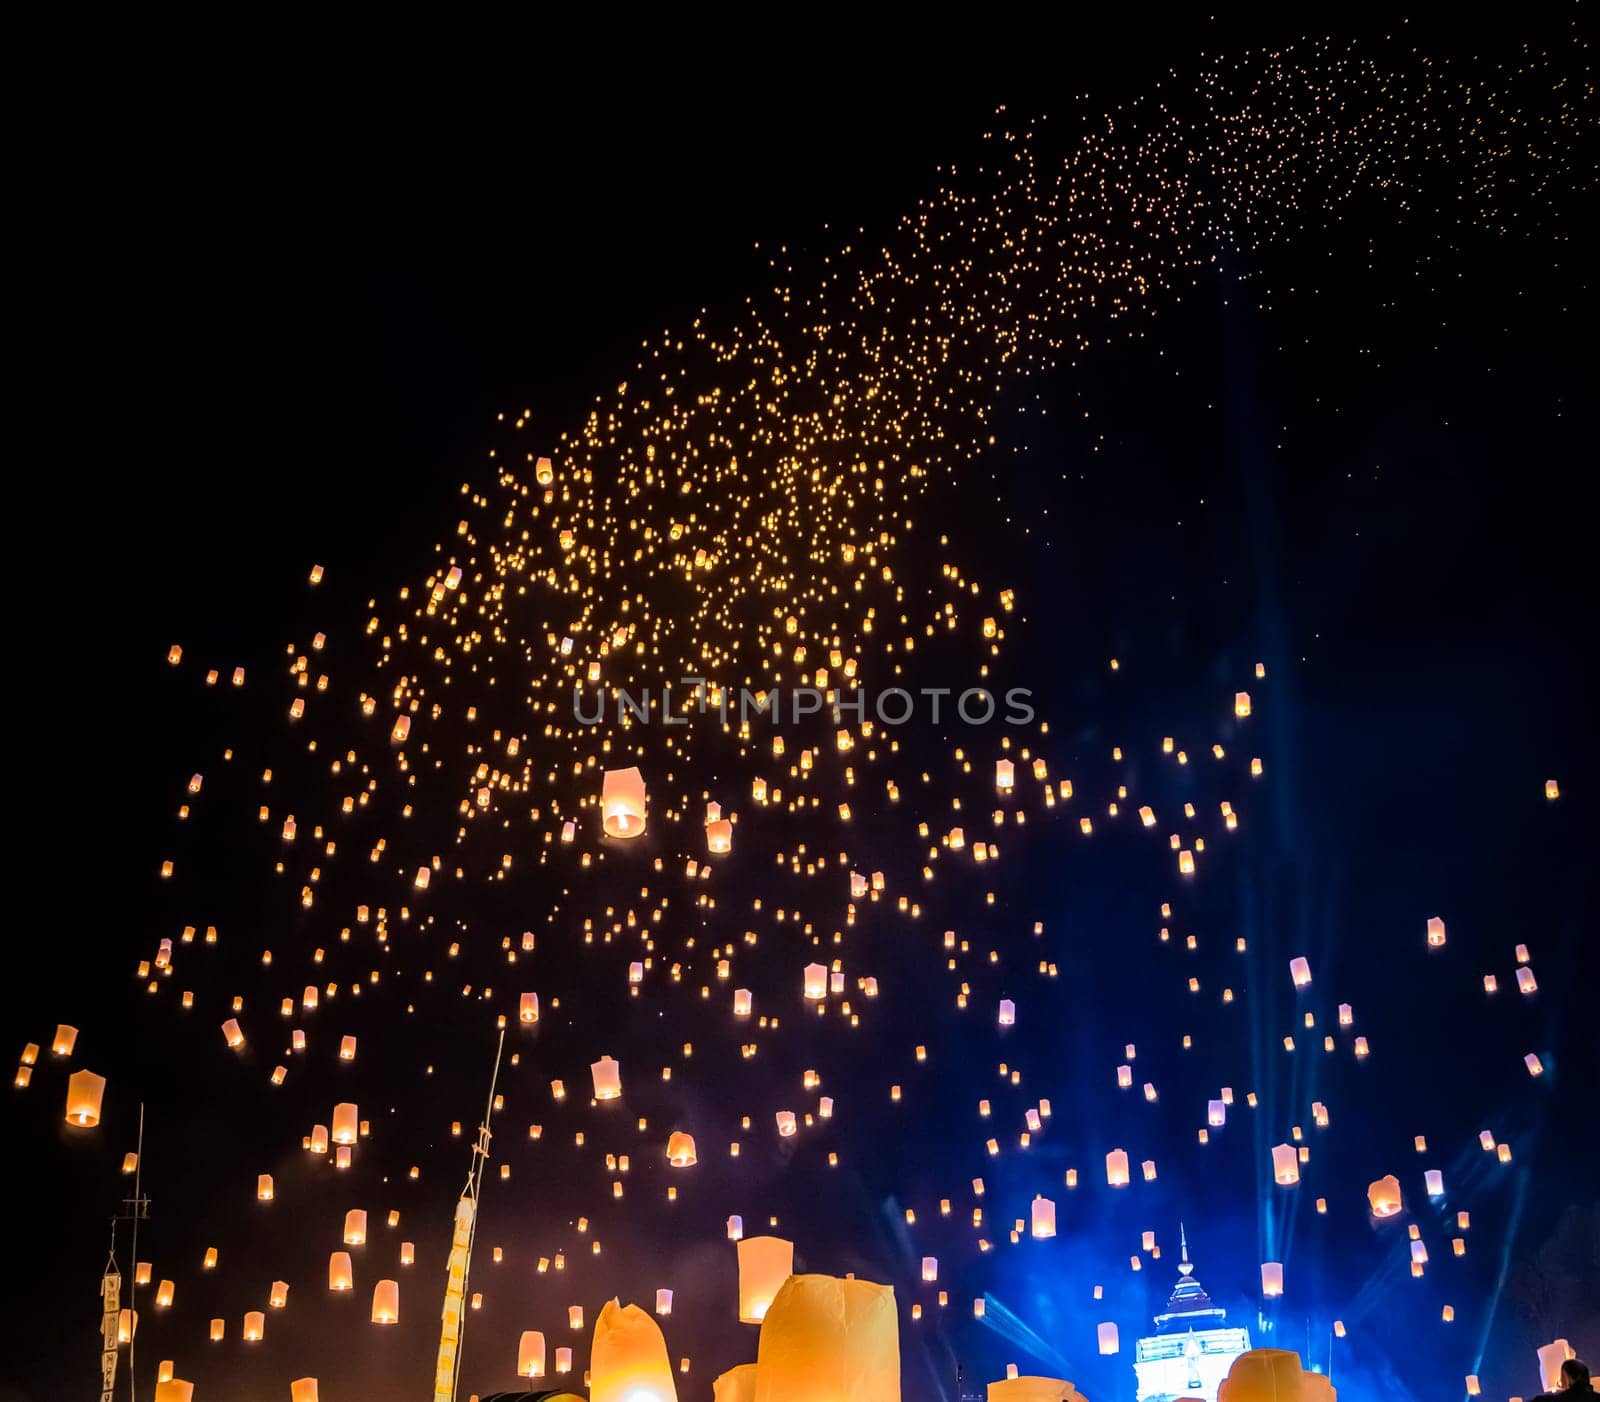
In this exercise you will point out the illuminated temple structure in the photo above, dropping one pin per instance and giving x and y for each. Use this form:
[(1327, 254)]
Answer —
[(1192, 1349)]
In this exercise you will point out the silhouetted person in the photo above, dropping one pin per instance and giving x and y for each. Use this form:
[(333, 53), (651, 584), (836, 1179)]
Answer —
[(1572, 1384)]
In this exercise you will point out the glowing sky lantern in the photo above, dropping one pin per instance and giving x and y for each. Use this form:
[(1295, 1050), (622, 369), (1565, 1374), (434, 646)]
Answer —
[(1005, 775), (1551, 1356), (623, 803), (816, 981), (65, 1040), (174, 1390), (386, 1302), (628, 1359), (1042, 1219), (303, 1390), (255, 1326), (1271, 1278), (1435, 932), (1117, 1168), (607, 1078), (1008, 1013), (680, 1150), (355, 1226), (346, 1123), (1106, 1334), (1285, 1164), (530, 1354), (1241, 704), (1383, 1196), (85, 1091), (765, 1262), (719, 836), (1300, 972), (1272, 1375), (232, 1034), (826, 1339)]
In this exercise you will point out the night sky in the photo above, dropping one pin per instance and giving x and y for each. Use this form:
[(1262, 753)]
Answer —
[(271, 308)]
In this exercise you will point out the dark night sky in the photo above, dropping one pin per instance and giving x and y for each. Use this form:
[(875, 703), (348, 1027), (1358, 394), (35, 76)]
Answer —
[(270, 306)]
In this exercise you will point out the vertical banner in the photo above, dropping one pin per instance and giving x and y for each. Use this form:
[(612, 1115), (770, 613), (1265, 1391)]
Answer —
[(455, 1292), (111, 1308)]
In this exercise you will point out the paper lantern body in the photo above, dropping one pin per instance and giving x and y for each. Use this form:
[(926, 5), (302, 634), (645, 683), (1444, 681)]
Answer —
[(303, 1390), (1029, 1388), (1384, 1196), (736, 1385), (85, 1091), (530, 1354), (765, 1262), (680, 1149), (826, 1339), (1551, 1357), (607, 1078), (386, 1302), (1272, 1375), (1106, 1334), (174, 1390), (622, 803), (346, 1123), (628, 1361)]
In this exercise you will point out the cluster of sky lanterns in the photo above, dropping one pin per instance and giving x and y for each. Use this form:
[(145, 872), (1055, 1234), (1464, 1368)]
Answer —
[(740, 518)]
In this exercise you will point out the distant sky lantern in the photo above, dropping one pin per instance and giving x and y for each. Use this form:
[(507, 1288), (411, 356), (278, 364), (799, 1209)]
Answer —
[(623, 803), (1117, 1168), (1216, 1113), (528, 1008), (628, 1359), (255, 1326), (424, 876), (85, 1091), (786, 1123), (1300, 972), (719, 836), (1005, 775), (1384, 1197), (386, 1302), (765, 1262), (607, 1078), (1435, 932), (355, 1226), (1008, 1013), (65, 1040), (264, 1187), (663, 1302), (741, 1002), (530, 1354), (680, 1150), (340, 1274), (1433, 1179), (401, 730), (1271, 1279), (1107, 1335)]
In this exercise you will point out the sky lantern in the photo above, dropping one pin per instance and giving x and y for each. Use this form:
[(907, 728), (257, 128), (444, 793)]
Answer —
[(765, 1262), (85, 1090), (1008, 1013), (607, 1078), (174, 1390), (65, 1040), (1383, 1196), (1241, 704), (264, 1190), (1285, 1165), (1435, 932), (1043, 1218), (355, 1226), (386, 1302), (1272, 1375), (816, 981), (628, 1359), (719, 836), (530, 1354), (346, 1123), (528, 1009), (1106, 1334), (303, 1390), (623, 803), (680, 1149), (827, 1339), (255, 1326), (1117, 1168), (663, 1302), (736, 1385), (340, 1274), (1005, 775), (1271, 1278), (1551, 1356), (1300, 972)]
